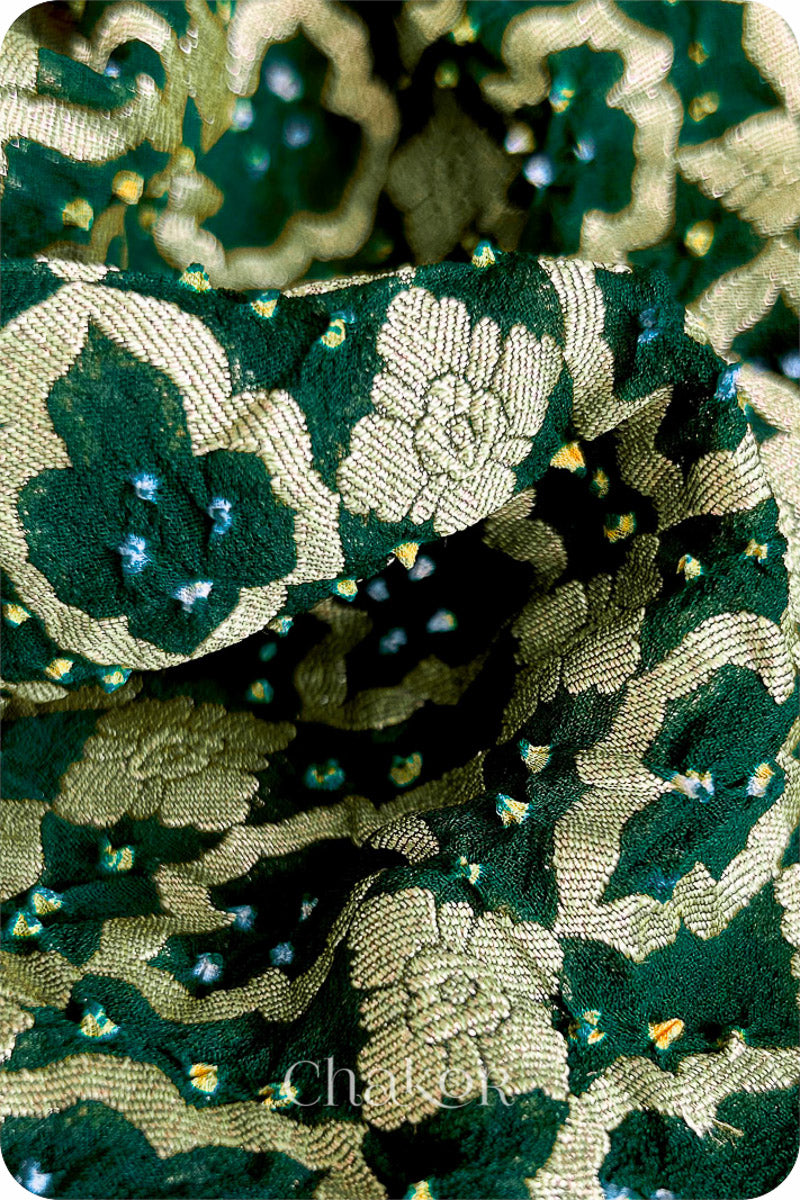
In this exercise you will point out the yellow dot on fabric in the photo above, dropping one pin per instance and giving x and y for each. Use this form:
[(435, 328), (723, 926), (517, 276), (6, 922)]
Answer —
[(569, 457), (535, 758), (97, 1024), (406, 770), (45, 902), (278, 1095), (560, 97), (147, 214), (335, 334), (470, 871), (691, 567), (265, 304), (698, 238), (78, 212), (759, 780), (703, 106), (442, 621), (419, 1191), (15, 614), (280, 625), (114, 679), (465, 30), (196, 278), (446, 75), (693, 783), (511, 811), (407, 553), (204, 1077), (346, 588), (59, 668), (587, 1028), (664, 1033), (128, 186), (617, 528), (119, 860), (484, 255), (697, 53), (757, 550), (600, 483), (25, 926)]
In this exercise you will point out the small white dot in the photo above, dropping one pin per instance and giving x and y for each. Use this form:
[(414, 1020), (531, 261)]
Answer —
[(539, 171)]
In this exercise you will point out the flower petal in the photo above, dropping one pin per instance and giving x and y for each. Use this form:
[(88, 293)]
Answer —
[(526, 1052), (465, 1071), (525, 955), (487, 419), (393, 396), (429, 498), (527, 373), (484, 353), (385, 1006), (511, 450), (382, 471), (389, 930), (471, 499), (215, 799), (455, 924), (450, 334), (394, 1052), (424, 338)]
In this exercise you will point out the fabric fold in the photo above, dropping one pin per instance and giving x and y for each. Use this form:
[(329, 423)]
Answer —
[(401, 738)]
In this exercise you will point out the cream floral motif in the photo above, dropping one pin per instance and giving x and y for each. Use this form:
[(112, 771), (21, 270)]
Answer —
[(456, 408), (753, 169), (217, 62), (186, 765), (21, 858), (581, 636), (535, 38), (460, 997)]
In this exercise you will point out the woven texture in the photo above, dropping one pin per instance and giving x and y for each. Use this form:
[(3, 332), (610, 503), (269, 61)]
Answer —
[(401, 569)]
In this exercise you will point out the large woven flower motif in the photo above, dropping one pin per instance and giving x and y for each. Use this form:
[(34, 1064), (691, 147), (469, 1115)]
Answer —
[(454, 412), (456, 1002), (185, 765)]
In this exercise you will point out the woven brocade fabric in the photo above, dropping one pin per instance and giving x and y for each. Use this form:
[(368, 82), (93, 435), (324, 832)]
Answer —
[(400, 533)]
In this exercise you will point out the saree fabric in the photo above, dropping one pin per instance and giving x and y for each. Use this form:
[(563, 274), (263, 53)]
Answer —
[(400, 600)]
